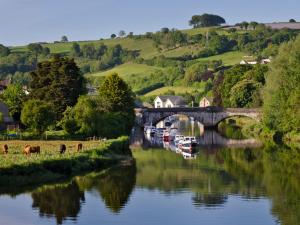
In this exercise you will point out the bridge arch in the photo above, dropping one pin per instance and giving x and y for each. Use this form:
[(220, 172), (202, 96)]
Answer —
[(209, 116)]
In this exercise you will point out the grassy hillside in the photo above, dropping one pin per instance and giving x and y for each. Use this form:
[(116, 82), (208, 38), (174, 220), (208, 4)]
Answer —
[(228, 58), (177, 90), (128, 69)]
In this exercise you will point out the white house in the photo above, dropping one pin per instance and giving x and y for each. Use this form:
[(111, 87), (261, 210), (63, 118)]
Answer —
[(169, 101), (206, 101), (265, 61), (249, 62)]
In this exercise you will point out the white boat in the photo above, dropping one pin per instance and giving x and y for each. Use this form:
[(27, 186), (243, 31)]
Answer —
[(178, 138), (188, 140), (150, 131)]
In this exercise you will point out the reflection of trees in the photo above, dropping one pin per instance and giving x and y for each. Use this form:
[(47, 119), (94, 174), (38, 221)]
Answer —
[(209, 200), (116, 187), (60, 201)]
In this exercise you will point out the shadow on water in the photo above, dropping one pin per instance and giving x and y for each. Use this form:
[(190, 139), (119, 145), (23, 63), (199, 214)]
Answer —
[(63, 201)]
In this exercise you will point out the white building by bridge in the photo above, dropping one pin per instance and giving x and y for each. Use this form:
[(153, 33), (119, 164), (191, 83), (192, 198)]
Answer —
[(169, 101)]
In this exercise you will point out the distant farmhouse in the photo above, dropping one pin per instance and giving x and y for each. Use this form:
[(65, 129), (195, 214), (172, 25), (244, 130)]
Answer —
[(254, 62), (206, 101), (169, 101)]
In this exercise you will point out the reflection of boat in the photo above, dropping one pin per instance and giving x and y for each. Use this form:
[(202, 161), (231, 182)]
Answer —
[(188, 155), (178, 138), (188, 150), (160, 132), (188, 140), (166, 136), (150, 131)]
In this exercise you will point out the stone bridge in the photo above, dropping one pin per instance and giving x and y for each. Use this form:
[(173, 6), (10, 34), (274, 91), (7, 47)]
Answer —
[(208, 117)]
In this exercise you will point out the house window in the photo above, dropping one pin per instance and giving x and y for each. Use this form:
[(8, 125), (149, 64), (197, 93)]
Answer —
[(158, 104)]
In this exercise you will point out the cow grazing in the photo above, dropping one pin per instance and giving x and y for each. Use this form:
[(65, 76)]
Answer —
[(79, 147), (5, 149), (62, 148), (31, 149)]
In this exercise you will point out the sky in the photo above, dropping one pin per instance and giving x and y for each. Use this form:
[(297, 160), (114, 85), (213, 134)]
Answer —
[(28, 21)]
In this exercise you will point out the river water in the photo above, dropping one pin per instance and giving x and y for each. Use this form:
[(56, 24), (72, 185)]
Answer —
[(232, 181)]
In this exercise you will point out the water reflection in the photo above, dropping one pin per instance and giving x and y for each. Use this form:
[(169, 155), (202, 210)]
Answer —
[(207, 139), (61, 201), (64, 201), (239, 178)]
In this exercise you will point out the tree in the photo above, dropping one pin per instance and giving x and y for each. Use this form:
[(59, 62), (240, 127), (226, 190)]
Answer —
[(46, 51), (253, 24), (113, 36), (4, 51), (219, 44), (57, 81), (122, 33), (292, 21), (164, 30), (64, 39), (244, 25), (281, 93), (75, 50), (195, 73), (13, 96), (206, 20), (37, 115), (35, 49), (245, 94), (117, 97)]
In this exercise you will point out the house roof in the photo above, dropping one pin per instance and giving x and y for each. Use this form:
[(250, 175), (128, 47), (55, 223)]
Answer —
[(210, 99), (176, 100)]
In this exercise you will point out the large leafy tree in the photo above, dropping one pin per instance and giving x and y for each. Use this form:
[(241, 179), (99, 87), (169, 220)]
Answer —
[(282, 92), (245, 94), (116, 97), (206, 20), (116, 94), (59, 82), (13, 96), (38, 115)]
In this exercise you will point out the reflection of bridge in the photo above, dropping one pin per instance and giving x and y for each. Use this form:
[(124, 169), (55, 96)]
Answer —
[(210, 139), (208, 117), (213, 138)]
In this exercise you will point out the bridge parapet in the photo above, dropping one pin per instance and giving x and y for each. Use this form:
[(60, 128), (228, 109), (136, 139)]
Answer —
[(209, 116)]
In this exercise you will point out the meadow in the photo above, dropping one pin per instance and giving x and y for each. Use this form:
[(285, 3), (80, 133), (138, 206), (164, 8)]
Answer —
[(95, 155)]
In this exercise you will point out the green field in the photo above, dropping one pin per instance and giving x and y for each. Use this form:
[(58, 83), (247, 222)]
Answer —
[(127, 69), (145, 46), (228, 58), (177, 90)]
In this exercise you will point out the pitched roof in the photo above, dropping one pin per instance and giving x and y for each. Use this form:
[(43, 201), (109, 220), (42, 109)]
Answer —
[(210, 99), (176, 100)]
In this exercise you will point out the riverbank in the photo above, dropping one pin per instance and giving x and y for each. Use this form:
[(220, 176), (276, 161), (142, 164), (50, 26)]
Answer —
[(243, 127), (50, 165)]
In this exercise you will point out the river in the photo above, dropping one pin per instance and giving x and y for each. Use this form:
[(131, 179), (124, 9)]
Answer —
[(231, 181)]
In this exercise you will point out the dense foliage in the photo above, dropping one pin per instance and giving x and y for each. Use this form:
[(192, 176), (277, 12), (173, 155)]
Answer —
[(57, 81), (38, 115), (240, 86), (282, 91), (206, 20), (13, 96), (110, 114)]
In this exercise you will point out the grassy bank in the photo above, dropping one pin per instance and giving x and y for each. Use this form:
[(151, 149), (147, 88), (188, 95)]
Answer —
[(50, 165)]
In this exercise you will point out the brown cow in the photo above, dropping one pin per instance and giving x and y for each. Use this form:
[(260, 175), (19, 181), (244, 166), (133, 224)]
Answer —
[(79, 147), (62, 148), (31, 149), (5, 149)]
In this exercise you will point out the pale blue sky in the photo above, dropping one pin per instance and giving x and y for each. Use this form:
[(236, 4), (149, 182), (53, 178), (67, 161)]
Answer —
[(25, 21)]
